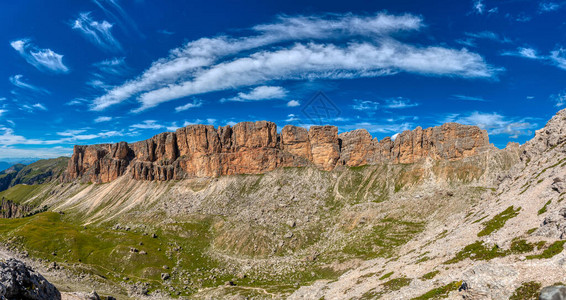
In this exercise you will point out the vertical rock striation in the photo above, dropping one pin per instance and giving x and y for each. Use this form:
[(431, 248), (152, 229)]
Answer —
[(256, 147)]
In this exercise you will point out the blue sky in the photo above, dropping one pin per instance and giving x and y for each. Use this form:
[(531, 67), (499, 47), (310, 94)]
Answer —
[(84, 72)]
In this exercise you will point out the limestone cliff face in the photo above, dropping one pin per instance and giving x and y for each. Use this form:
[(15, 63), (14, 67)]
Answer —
[(9, 209), (256, 147)]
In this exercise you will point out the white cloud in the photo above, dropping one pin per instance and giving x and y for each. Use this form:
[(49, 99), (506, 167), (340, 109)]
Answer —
[(39, 106), (399, 103), (556, 57), (559, 99), (292, 118), (293, 103), (379, 128), (98, 32), (528, 53), (9, 138), (198, 68), (195, 103), (495, 123), (114, 66), (42, 59), (2, 111), (260, 93), (17, 81), (166, 32), (394, 137), (548, 6), (479, 7), (71, 132), (51, 152), (365, 105), (33, 107), (469, 98), (312, 61), (487, 35), (148, 124), (102, 119), (114, 11)]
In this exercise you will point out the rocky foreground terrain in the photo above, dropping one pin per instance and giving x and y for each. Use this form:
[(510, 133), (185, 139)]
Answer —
[(247, 212)]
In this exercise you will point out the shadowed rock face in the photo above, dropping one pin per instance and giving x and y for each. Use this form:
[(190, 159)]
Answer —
[(256, 147), (17, 281)]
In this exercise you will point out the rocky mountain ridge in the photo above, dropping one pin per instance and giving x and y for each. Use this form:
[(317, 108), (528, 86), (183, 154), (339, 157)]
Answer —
[(256, 147)]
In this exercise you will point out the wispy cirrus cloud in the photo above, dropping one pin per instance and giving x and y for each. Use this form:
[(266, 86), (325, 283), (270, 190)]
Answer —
[(17, 80), (559, 99), (354, 46), (478, 7), (114, 11), (549, 6), (43, 59), (468, 98), (371, 107), (33, 107), (194, 104), (8, 137), (293, 103), (97, 32), (556, 57), (495, 123), (365, 105), (102, 119), (399, 103), (260, 93)]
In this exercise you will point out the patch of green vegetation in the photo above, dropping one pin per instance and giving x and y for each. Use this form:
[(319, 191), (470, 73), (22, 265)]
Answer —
[(550, 167), (521, 246), (440, 292), (40, 170), (430, 275), (479, 220), (540, 180), (530, 231), (396, 284), (543, 209), (422, 259), (21, 192), (477, 251), (371, 294), (552, 250), (540, 244), (523, 191), (384, 239), (385, 276), (527, 291), (116, 254), (499, 221)]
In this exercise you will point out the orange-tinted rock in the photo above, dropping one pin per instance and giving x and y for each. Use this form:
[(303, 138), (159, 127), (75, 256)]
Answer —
[(357, 148), (255, 147), (325, 147), (295, 140)]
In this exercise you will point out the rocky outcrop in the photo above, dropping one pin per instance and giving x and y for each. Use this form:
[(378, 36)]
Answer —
[(548, 137), (9, 209), (556, 292), (256, 147), (17, 281)]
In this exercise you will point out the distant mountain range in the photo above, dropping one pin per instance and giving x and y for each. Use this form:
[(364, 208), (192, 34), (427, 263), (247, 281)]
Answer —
[(8, 162)]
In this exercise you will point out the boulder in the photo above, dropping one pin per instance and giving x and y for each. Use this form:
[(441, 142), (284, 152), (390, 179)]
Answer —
[(18, 281), (557, 292)]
